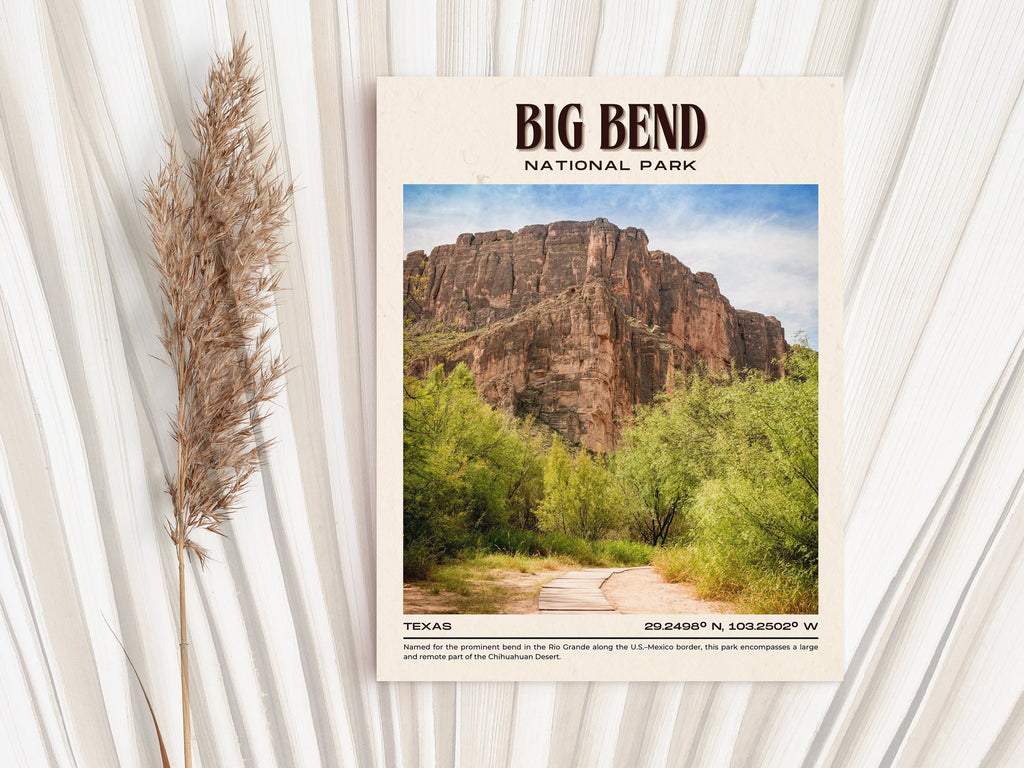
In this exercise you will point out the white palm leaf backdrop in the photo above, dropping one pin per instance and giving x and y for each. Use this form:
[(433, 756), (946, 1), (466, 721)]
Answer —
[(282, 622)]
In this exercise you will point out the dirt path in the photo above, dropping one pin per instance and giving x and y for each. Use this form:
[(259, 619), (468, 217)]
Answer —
[(622, 590), (502, 592), (641, 590)]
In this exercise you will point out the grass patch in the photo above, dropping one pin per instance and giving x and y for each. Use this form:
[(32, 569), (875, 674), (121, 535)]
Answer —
[(756, 588), (624, 553), (476, 583), (477, 580), (571, 550), (716, 573)]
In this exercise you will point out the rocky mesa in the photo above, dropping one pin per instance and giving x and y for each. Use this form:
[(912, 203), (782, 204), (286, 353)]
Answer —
[(575, 322)]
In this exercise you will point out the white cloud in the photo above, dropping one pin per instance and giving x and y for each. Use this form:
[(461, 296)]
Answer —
[(763, 266)]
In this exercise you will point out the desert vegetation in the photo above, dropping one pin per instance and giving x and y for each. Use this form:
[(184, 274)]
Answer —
[(714, 483)]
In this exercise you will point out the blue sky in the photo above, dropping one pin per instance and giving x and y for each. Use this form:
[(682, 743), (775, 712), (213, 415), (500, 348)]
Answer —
[(760, 241)]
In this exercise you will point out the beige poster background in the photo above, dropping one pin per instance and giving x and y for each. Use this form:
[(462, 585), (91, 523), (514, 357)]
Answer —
[(463, 131)]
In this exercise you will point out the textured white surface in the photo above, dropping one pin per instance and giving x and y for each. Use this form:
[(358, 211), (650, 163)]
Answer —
[(282, 634)]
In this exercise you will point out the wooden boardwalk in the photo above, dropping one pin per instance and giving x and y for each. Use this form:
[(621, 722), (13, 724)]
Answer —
[(577, 592)]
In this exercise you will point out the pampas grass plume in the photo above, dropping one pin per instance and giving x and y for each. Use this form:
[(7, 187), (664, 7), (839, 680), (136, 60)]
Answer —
[(215, 216)]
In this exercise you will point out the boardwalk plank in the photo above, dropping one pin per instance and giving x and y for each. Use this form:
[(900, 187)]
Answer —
[(577, 592)]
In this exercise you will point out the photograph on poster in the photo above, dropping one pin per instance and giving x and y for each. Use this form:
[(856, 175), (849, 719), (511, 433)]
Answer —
[(610, 398)]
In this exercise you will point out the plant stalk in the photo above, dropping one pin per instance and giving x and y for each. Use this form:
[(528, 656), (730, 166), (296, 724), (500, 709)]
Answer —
[(186, 716), (183, 646)]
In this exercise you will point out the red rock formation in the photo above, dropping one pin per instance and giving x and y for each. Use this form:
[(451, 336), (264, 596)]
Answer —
[(576, 322)]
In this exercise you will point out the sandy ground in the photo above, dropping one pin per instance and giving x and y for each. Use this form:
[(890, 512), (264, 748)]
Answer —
[(638, 590), (522, 592), (641, 590)]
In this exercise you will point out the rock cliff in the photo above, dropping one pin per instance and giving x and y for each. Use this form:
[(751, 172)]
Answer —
[(575, 322)]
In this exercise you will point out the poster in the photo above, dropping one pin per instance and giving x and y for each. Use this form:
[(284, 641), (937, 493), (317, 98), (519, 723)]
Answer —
[(609, 379)]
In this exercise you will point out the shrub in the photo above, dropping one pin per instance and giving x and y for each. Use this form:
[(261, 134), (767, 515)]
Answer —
[(580, 499), (418, 561), (753, 515), (621, 552), (468, 469)]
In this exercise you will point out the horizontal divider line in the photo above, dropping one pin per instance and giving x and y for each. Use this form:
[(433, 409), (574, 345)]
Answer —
[(587, 637)]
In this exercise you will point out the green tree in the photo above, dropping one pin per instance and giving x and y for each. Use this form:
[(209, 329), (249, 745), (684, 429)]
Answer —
[(468, 468), (580, 498), (768, 476), (656, 475), (669, 450), (728, 464)]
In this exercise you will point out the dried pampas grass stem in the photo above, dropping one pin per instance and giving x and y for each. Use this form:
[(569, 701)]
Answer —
[(215, 216)]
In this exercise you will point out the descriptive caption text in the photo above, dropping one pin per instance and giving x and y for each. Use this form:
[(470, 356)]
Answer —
[(509, 650)]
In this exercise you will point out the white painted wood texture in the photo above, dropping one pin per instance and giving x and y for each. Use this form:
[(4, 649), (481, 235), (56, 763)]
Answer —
[(283, 622)]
